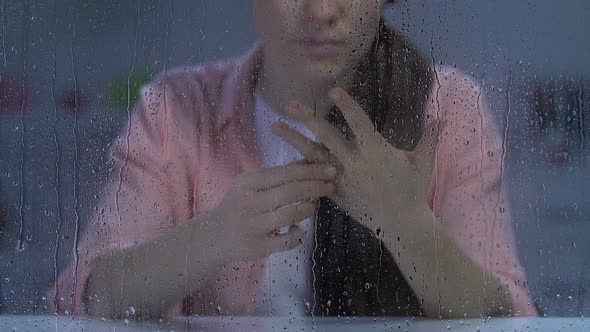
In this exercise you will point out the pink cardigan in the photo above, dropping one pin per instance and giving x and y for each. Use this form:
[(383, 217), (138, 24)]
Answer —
[(191, 133)]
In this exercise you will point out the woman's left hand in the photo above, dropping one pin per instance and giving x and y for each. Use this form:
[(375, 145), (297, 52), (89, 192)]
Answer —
[(373, 175)]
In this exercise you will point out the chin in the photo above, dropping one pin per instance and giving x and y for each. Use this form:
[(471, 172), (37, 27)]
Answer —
[(321, 72)]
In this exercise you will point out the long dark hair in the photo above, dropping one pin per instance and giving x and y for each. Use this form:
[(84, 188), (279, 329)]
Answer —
[(392, 86), (354, 272)]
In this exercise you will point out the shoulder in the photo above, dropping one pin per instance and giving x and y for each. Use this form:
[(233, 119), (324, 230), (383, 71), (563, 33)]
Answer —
[(192, 84), (451, 77), (187, 99), (455, 99), (457, 116), (454, 89)]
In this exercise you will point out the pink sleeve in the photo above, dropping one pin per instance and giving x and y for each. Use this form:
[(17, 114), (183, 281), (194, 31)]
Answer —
[(140, 201), (468, 193)]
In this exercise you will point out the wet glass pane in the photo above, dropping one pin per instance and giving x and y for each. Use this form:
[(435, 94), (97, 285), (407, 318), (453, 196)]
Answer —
[(294, 164)]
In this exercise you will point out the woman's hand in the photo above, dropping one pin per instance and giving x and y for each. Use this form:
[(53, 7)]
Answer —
[(246, 224), (369, 167), (383, 188)]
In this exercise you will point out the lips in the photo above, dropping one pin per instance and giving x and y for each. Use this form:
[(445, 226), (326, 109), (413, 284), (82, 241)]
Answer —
[(321, 46)]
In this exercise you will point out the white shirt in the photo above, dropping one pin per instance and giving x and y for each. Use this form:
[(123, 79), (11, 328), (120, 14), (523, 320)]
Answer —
[(287, 288)]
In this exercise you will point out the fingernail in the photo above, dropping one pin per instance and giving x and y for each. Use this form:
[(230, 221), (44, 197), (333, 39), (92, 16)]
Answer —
[(330, 171), (282, 230), (278, 125)]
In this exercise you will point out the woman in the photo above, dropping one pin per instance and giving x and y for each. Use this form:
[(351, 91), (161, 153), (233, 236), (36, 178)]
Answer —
[(389, 201)]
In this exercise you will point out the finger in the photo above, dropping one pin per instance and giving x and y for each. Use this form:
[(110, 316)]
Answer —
[(267, 178), (293, 192), (323, 130), (310, 150), (288, 215), (288, 241), (356, 117)]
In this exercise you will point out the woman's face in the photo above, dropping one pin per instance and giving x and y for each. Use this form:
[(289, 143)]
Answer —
[(316, 40)]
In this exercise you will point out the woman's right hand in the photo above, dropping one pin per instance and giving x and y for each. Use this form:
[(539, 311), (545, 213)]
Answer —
[(260, 202)]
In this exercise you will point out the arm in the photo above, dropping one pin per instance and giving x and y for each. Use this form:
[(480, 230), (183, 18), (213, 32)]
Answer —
[(148, 195), (445, 230), (151, 243), (449, 282), (151, 277), (448, 228), (457, 250), (140, 202), (157, 273)]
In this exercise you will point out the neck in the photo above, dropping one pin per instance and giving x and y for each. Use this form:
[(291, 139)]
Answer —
[(278, 87)]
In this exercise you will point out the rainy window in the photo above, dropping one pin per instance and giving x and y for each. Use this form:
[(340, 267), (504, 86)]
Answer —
[(301, 163)]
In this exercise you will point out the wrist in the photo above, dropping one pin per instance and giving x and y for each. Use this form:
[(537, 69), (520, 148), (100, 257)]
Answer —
[(206, 241)]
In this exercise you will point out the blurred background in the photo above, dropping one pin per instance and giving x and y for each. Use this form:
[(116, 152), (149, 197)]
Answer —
[(66, 67)]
